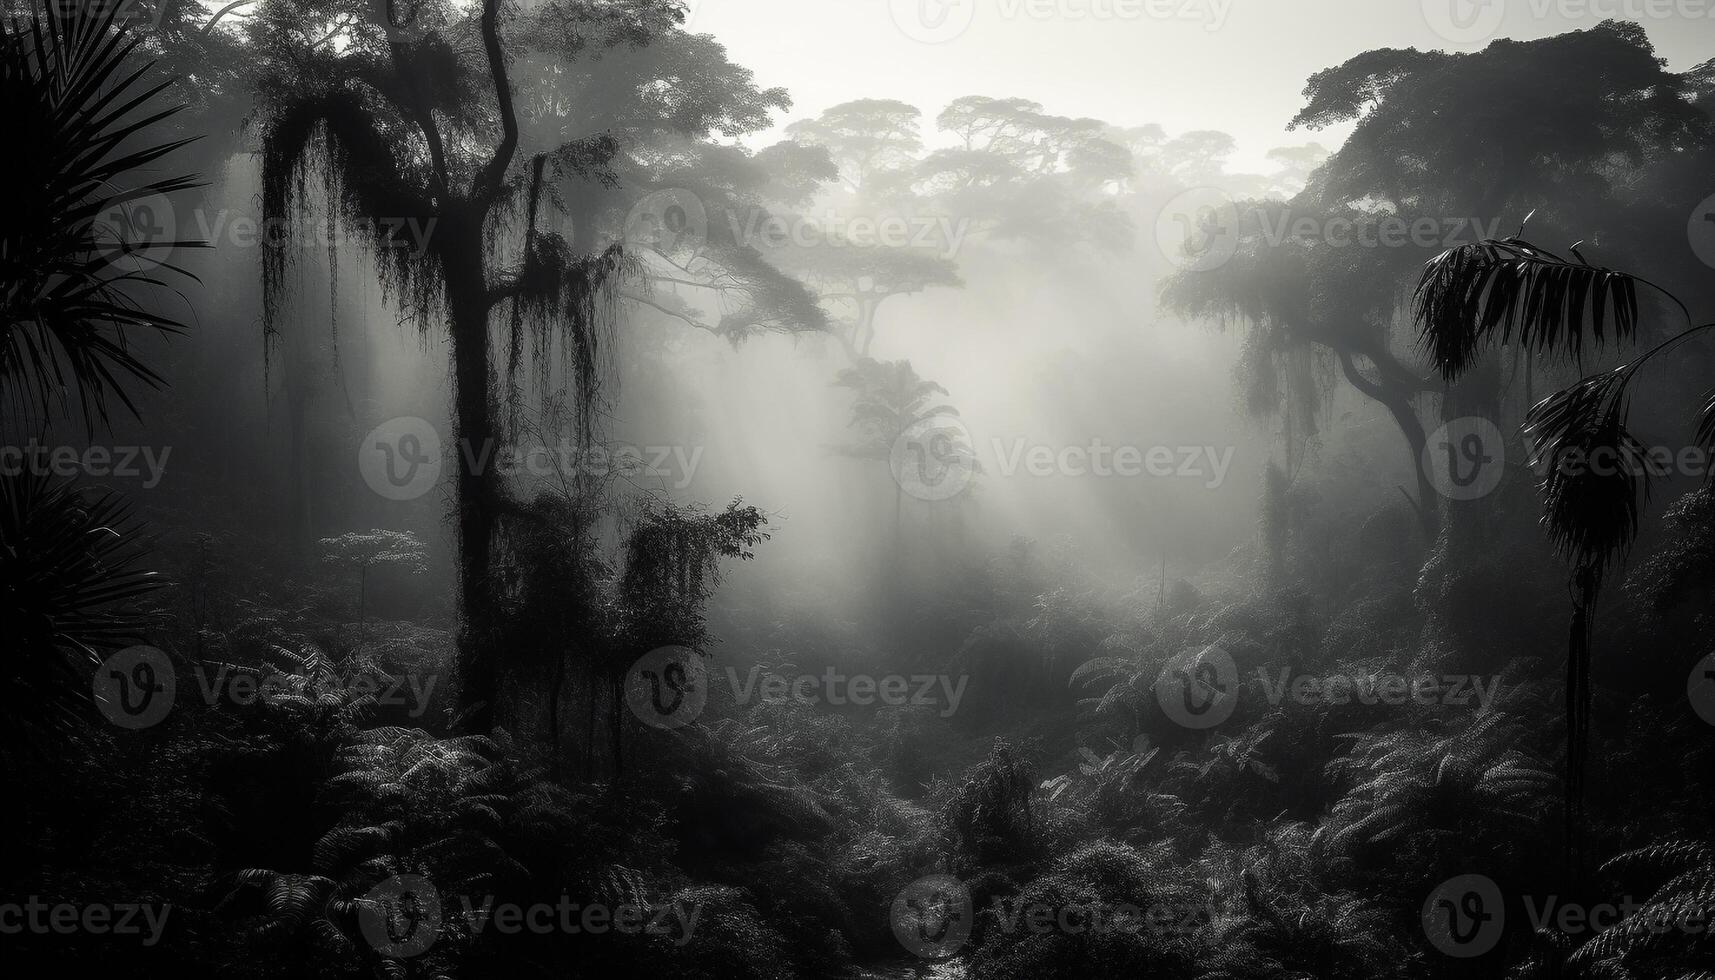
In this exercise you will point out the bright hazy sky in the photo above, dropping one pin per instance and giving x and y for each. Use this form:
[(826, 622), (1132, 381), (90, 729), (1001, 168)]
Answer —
[(1236, 65)]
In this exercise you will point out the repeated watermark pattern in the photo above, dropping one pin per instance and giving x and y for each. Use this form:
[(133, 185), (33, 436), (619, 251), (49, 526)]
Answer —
[(1476, 21), (936, 457), (1199, 689), (1700, 231), (403, 458), (1700, 688), (1465, 458), (40, 917), (676, 221), (138, 686), (940, 21), (834, 687), (146, 229), (145, 463), (669, 687), (1465, 916), (137, 15), (932, 458), (1199, 229), (401, 917), (1206, 464), (933, 917)]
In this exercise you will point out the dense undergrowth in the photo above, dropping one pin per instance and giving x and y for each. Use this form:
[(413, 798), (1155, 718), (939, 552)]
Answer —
[(1298, 838)]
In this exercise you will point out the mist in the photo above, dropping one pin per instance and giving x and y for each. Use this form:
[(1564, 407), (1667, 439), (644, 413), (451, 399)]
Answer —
[(859, 488)]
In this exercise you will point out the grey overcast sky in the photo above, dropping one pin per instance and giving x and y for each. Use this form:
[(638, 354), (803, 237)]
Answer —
[(1235, 65)]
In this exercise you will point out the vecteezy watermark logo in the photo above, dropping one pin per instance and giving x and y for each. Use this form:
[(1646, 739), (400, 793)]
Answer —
[(1701, 231), (672, 221), (138, 686), (1380, 229), (1212, 14), (96, 919), (933, 459), (1700, 688), (237, 230), (1198, 689), (401, 917), (932, 916), (667, 687), (836, 688), (247, 686), (674, 920), (135, 687), (764, 230), (933, 21), (137, 15), (96, 461), (135, 233), (1464, 21), (1465, 458), (1464, 916), (1206, 463), (1198, 230), (400, 459), (1575, 919), (1380, 687), (1097, 917)]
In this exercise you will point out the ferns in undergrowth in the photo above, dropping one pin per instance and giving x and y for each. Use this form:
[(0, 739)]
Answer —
[(1668, 935), (1422, 805), (1278, 917), (987, 818), (1132, 912)]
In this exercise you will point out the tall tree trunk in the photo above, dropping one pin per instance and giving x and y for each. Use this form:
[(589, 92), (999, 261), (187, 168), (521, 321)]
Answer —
[(479, 495), (1397, 400)]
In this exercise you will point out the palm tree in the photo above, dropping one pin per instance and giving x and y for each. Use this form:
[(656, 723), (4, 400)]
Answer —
[(1511, 291), (75, 282), (73, 270), (413, 118), (893, 403)]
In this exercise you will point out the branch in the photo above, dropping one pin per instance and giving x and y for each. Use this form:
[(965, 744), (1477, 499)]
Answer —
[(489, 181), (672, 313), (208, 28)]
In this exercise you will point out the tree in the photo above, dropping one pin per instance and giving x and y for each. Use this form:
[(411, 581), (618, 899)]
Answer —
[(1511, 291), (867, 139), (1024, 175), (894, 407), (413, 114), (1475, 297), (1298, 293), (80, 285), (361, 551), (77, 253)]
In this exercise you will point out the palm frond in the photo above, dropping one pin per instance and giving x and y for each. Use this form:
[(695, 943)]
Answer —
[(69, 586), (1510, 291), (1597, 475), (74, 272)]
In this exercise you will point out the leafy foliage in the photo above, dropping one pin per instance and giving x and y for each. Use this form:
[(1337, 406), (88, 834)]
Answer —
[(83, 250), (71, 585)]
